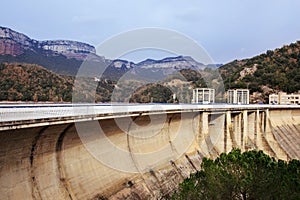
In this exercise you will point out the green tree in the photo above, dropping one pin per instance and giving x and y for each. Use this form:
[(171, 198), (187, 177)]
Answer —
[(248, 175)]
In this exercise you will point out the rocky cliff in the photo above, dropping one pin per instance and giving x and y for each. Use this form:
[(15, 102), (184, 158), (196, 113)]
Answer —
[(70, 49), (14, 43)]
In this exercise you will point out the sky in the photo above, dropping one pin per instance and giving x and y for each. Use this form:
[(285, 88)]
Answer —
[(227, 30)]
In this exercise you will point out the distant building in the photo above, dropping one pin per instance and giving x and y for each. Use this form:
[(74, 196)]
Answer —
[(203, 95), (96, 79), (284, 98), (238, 96), (274, 99)]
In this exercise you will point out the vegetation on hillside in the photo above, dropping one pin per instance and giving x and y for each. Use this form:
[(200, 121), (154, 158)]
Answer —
[(248, 175), (273, 71), (180, 83), (152, 93), (23, 82), (29, 82), (56, 63)]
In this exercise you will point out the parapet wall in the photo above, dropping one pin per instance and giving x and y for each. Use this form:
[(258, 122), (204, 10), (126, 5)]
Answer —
[(141, 157)]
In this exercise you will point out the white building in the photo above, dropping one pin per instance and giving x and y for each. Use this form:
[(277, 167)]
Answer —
[(284, 98), (274, 99), (238, 96), (203, 95)]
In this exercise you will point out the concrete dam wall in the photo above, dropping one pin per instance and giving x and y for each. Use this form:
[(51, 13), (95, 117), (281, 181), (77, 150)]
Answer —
[(141, 156)]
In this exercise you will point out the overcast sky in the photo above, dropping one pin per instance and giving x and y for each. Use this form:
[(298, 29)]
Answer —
[(226, 29)]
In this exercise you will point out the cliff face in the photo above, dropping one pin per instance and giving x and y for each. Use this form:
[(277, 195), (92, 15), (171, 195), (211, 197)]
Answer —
[(14, 43), (70, 49), (10, 47)]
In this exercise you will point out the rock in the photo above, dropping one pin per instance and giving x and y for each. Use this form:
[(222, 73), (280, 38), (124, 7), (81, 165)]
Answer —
[(15, 43), (70, 49)]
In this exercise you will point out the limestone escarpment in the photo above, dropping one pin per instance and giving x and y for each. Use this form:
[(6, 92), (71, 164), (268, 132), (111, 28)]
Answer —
[(10, 47), (70, 49), (15, 43)]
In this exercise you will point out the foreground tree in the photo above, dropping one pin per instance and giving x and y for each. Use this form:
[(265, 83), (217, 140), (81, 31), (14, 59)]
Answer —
[(248, 175)]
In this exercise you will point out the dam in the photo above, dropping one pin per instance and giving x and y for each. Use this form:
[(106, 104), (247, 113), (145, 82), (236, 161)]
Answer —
[(139, 151)]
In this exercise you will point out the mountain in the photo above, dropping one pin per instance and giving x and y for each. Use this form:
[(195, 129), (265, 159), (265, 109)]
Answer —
[(164, 67), (270, 72), (14, 43), (177, 63), (59, 56), (65, 57), (33, 70)]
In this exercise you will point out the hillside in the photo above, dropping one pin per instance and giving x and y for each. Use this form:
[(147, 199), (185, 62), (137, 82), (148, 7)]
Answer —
[(60, 56), (180, 83), (273, 71), (29, 82), (26, 82)]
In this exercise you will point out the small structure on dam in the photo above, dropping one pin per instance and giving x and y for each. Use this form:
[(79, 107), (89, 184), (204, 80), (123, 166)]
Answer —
[(238, 96), (130, 152), (203, 95)]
